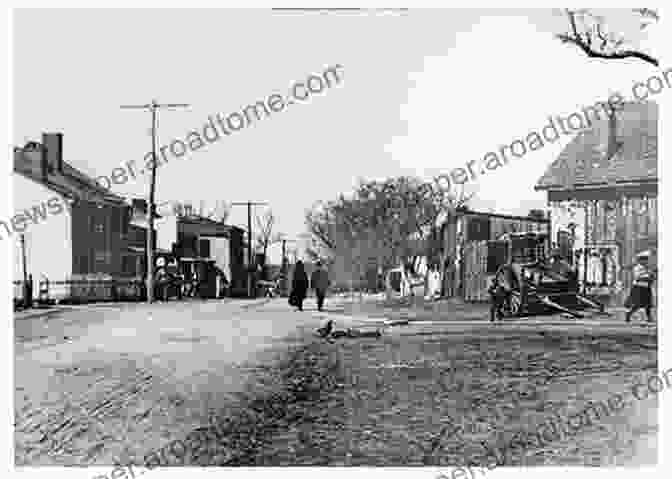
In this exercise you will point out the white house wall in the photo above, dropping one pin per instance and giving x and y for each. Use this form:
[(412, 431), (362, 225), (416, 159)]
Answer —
[(166, 231), (47, 232), (220, 251)]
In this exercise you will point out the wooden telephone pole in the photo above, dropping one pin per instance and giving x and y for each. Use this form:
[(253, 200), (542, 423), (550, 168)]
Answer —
[(152, 107), (27, 290), (249, 205)]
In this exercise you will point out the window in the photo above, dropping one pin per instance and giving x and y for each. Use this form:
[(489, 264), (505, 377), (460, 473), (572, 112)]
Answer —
[(82, 266), (204, 248), (603, 265), (98, 223), (102, 257), (478, 228), (128, 264), (120, 221), (187, 245)]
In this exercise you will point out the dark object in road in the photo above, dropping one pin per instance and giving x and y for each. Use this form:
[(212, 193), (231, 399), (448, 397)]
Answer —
[(356, 333), (326, 330)]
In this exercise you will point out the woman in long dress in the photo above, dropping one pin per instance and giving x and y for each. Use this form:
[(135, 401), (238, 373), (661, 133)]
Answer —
[(641, 295), (299, 286)]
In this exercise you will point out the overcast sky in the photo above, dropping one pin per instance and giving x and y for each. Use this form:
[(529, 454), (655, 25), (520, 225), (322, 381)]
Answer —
[(424, 91)]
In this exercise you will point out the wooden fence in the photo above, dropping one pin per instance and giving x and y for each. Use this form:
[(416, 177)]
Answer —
[(83, 291), (475, 279)]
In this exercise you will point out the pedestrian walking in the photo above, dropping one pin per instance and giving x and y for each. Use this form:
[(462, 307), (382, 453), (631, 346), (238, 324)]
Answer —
[(319, 281), (299, 286), (641, 293)]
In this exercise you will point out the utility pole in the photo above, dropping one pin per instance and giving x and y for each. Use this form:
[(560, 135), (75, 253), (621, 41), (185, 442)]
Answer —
[(586, 238), (249, 205), (26, 288), (152, 107)]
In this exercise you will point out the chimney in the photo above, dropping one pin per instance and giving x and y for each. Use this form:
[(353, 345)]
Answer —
[(44, 165), (52, 153)]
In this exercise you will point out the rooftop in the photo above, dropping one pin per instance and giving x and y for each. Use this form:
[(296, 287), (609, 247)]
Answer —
[(69, 182), (583, 162)]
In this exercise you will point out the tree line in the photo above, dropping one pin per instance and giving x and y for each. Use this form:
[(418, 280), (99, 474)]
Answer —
[(380, 225)]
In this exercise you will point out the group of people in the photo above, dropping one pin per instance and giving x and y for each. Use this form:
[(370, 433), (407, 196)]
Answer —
[(640, 297), (319, 282)]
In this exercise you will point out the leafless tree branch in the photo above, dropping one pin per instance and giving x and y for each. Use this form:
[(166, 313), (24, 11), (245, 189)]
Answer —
[(610, 47)]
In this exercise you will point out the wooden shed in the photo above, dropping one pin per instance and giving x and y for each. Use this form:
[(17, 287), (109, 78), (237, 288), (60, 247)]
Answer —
[(467, 265)]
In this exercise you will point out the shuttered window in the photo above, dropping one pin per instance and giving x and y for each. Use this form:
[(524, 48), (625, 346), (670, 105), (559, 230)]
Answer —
[(204, 248)]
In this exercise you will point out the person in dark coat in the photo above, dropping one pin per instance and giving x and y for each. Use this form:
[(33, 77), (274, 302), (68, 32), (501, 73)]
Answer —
[(319, 281), (299, 286)]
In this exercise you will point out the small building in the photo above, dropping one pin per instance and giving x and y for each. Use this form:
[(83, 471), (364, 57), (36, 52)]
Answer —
[(469, 250), (67, 227), (134, 256), (602, 190), (198, 241)]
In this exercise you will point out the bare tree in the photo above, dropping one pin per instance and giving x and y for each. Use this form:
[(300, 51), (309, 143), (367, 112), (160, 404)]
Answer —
[(220, 212), (592, 34), (382, 223), (265, 236)]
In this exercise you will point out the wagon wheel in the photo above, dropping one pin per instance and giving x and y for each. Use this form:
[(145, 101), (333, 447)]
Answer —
[(512, 306), (515, 304)]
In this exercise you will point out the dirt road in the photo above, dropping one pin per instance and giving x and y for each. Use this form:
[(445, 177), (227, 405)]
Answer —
[(97, 383)]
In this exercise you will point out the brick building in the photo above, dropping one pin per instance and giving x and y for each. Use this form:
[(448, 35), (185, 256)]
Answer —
[(72, 227)]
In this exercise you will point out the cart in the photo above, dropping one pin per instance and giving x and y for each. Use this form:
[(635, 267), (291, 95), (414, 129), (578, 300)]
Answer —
[(536, 286)]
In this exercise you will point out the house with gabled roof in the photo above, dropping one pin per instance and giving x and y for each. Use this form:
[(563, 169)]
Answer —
[(603, 194), (66, 225)]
